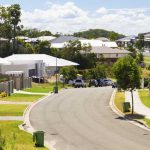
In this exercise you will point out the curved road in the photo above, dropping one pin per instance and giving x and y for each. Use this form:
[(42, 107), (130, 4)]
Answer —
[(81, 119)]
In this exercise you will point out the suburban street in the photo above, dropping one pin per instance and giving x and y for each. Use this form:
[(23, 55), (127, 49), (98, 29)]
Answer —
[(81, 119)]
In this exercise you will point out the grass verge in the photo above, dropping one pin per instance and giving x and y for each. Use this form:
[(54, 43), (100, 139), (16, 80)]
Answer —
[(147, 59), (43, 87), (23, 140), (22, 97), (144, 96), (12, 110), (119, 99)]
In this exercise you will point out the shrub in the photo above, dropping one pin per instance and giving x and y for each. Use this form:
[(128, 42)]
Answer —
[(3, 94), (2, 141)]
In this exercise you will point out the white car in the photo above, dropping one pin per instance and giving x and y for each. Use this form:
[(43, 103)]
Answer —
[(79, 83)]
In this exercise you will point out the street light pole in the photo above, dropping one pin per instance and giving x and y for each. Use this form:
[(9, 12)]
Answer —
[(56, 83), (56, 73)]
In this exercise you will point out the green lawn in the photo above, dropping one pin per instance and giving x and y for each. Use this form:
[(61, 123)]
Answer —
[(22, 97), (12, 110), (144, 97), (147, 59), (42, 87), (3, 78), (119, 99), (23, 140)]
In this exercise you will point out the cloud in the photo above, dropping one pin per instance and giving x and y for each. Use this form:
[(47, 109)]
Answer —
[(68, 18)]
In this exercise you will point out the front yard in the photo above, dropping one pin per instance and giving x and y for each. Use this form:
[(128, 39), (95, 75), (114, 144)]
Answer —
[(144, 96), (23, 140), (12, 110), (119, 99), (43, 87), (10, 130), (22, 97)]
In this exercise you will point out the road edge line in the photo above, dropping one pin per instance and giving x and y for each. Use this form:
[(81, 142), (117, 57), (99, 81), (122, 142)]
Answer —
[(140, 124), (28, 127)]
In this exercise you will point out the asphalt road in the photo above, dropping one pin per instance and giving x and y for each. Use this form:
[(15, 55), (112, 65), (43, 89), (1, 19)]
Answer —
[(81, 119)]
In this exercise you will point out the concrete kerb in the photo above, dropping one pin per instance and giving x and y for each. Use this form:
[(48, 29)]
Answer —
[(138, 123), (26, 126)]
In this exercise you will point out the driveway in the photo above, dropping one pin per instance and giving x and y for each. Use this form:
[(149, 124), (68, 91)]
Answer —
[(81, 119)]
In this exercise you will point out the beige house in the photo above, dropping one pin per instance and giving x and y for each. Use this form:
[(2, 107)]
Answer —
[(109, 53)]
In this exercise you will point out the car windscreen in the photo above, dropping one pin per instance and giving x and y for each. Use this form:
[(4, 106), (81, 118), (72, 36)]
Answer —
[(78, 81)]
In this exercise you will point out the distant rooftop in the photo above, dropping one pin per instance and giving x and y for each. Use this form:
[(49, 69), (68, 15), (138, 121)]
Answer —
[(108, 50), (128, 38), (103, 39), (65, 38)]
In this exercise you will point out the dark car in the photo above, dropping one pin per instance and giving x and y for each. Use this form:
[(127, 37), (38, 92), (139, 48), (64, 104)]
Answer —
[(114, 85), (104, 82), (93, 83), (79, 83), (107, 82), (100, 82)]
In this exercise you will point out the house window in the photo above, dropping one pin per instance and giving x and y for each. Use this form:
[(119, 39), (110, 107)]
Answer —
[(116, 55)]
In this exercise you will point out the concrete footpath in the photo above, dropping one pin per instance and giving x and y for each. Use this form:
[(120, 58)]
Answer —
[(11, 118), (139, 107), (30, 93)]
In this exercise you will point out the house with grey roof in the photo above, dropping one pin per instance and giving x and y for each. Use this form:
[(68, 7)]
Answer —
[(126, 41), (109, 53), (103, 39), (65, 38)]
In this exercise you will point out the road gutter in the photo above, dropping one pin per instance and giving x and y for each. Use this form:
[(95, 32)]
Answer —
[(27, 127), (138, 123)]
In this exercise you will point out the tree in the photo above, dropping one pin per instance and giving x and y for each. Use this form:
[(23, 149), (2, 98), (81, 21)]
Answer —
[(14, 13), (69, 73), (128, 74), (10, 17), (133, 50), (43, 48), (75, 51), (113, 36), (140, 43)]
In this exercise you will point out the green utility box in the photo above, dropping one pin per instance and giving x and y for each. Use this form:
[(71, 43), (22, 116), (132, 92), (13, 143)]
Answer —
[(38, 138), (55, 89), (126, 107)]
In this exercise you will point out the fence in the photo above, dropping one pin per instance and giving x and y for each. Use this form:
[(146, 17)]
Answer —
[(17, 83), (22, 83), (7, 86)]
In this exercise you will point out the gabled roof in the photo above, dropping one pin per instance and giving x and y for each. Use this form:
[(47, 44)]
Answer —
[(97, 43), (108, 50), (48, 60), (65, 38), (46, 38), (103, 39), (128, 38), (3, 39), (4, 62)]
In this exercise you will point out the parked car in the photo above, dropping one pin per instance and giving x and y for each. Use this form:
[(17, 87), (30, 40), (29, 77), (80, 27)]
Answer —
[(100, 82), (79, 83), (104, 82), (114, 85), (93, 83), (107, 82)]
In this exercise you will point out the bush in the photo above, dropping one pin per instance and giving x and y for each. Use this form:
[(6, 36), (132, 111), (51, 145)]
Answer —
[(3, 94), (2, 141), (69, 73)]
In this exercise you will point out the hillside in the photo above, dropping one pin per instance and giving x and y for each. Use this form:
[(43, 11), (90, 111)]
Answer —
[(96, 33)]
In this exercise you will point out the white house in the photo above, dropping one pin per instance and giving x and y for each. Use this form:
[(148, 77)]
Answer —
[(34, 64)]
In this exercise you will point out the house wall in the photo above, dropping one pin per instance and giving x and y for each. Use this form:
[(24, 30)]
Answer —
[(111, 55), (24, 68)]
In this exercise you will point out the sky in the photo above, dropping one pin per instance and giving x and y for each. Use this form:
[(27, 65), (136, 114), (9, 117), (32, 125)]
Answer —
[(128, 17)]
